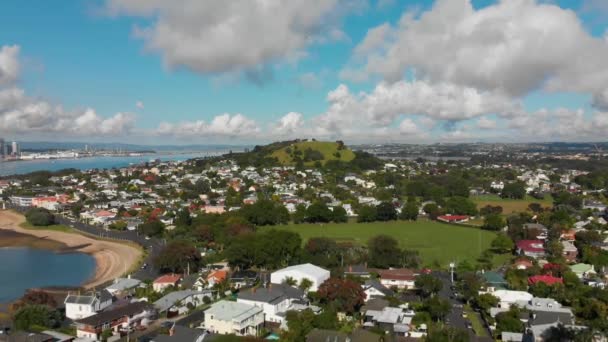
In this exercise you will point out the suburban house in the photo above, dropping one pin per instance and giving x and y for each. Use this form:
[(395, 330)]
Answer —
[(453, 218), (315, 274), (547, 279), (402, 278), (178, 333), (123, 285), (583, 271), (374, 289), (80, 306), (119, 320), (494, 280), (531, 248), (570, 251), (357, 271), (241, 319), (246, 278), (390, 319), (506, 298), (165, 281), (177, 302), (523, 264), (275, 300), (216, 277)]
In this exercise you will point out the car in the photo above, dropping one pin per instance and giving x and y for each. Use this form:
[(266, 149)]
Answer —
[(144, 266), (167, 324)]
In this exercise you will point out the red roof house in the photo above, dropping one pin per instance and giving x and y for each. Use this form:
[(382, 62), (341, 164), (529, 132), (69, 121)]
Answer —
[(531, 248), (547, 279), (453, 218), (165, 281), (523, 264)]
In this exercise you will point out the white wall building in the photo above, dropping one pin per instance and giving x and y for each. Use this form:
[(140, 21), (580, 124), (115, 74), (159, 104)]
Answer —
[(241, 319), (315, 274), (82, 306)]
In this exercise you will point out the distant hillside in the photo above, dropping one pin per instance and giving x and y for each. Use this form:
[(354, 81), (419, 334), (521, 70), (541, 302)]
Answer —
[(311, 152), (304, 153)]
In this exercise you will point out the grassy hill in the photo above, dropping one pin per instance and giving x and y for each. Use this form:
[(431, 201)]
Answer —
[(312, 151)]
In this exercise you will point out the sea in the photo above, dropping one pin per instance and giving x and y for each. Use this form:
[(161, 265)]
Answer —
[(22, 268), (19, 167)]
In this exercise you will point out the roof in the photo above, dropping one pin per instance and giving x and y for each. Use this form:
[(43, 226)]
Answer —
[(398, 274), (228, 311), (181, 334), (309, 269), (531, 245), (110, 315), (582, 268), (511, 296), (274, 293), (547, 279), (219, 275), (356, 269), (322, 335), (494, 278), (167, 301), (452, 217), (168, 279), (386, 315), (102, 296), (121, 284), (22, 336), (378, 286)]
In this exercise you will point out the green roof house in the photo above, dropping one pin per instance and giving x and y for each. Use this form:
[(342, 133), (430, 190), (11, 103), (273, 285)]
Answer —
[(583, 270), (495, 280)]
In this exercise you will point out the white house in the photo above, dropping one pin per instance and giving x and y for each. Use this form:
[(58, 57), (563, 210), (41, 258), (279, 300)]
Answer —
[(275, 300), (506, 298), (315, 274), (241, 319), (82, 306)]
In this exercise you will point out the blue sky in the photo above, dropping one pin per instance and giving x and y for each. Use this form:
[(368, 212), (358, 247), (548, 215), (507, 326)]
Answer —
[(92, 60)]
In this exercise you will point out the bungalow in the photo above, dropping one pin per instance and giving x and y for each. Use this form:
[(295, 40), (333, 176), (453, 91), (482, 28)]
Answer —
[(506, 298), (402, 278), (547, 279), (537, 229), (177, 302), (532, 248), (216, 277), (388, 319), (165, 281), (583, 270), (494, 280), (82, 306), (122, 285), (240, 319), (275, 300), (120, 320), (453, 218)]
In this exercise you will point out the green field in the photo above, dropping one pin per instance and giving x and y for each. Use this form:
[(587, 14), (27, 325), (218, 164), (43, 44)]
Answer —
[(510, 206), (328, 149), (436, 242), (55, 227)]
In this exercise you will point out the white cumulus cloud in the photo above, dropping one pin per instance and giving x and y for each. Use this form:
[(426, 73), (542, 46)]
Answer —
[(223, 125), (9, 64)]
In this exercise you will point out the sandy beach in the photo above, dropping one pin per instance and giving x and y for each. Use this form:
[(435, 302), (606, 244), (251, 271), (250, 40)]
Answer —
[(112, 259)]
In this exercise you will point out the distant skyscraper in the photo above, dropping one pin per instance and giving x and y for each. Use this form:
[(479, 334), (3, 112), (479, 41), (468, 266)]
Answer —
[(15, 149), (3, 148)]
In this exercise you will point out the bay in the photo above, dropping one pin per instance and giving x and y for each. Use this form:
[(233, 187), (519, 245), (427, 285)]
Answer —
[(22, 268)]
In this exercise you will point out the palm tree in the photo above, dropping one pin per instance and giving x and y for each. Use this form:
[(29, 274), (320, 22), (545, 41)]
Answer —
[(305, 284), (290, 281)]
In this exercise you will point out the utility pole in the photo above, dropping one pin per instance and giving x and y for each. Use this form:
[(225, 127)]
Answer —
[(452, 265)]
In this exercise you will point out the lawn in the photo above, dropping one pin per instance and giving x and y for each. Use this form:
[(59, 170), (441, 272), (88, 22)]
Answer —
[(328, 149), (476, 322), (437, 242), (510, 206), (55, 227)]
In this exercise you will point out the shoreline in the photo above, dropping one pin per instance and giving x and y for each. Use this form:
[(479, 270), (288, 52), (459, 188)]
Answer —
[(112, 259)]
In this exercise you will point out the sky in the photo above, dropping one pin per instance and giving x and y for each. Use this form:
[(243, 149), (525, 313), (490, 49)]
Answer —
[(255, 71)]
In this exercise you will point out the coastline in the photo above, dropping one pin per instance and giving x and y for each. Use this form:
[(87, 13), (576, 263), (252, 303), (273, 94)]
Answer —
[(112, 259)]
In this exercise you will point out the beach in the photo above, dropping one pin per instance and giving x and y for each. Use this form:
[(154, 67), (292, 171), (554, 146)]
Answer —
[(112, 259)]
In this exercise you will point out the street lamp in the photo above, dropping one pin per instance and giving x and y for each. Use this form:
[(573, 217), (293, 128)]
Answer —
[(452, 265)]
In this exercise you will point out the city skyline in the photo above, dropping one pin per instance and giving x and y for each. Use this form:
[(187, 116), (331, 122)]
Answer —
[(362, 71)]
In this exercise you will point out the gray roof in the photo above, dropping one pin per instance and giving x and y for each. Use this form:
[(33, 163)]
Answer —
[(122, 284), (378, 286), (182, 334), (386, 315), (102, 295), (110, 315), (229, 311), (167, 301), (272, 294), (21, 336)]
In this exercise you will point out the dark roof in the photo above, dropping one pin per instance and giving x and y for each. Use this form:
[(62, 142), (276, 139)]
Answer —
[(22, 336), (245, 274), (180, 334), (375, 304), (356, 269), (378, 286), (274, 293), (549, 317), (108, 316), (102, 295)]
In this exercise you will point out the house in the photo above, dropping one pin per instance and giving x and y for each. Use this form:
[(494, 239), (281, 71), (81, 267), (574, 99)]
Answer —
[(401, 278), (275, 300), (389, 319), (315, 274), (531, 248), (81, 306), (177, 302), (374, 289), (547, 279), (536, 229), (165, 281), (216, 277), (23, 336), (570, 251), (522, 264), (583, 270), (22, 201), (240, 319), (506, 298), (123, 285), (357, 271), (494, 280), (453, 218), (119, 320), (246, 278), (497, 185)]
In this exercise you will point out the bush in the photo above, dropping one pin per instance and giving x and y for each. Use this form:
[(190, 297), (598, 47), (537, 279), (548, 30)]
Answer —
[(39, 217)]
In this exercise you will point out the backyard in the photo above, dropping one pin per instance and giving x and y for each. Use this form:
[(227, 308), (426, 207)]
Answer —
[(510, 206)]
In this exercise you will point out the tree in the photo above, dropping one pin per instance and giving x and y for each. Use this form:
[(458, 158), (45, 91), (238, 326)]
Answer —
[(34, 297), (383, 251), (515, 190), (409, 211), (318, 212), (485, 302), (183, 217), (535, 207), (437, 307), (300, 215), (444, 333), (493, 222), (265, 212), (322, 251), (428, 285), (151, 228), (305, 284), (343, 294), (177, 256), (339, 214), (502, 244), (367, 213), (290, 281), (106, 334), (36, 316), (385, 211), (509, 320), (277, 248), (432, 210), (461, 206), (39, 217)]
